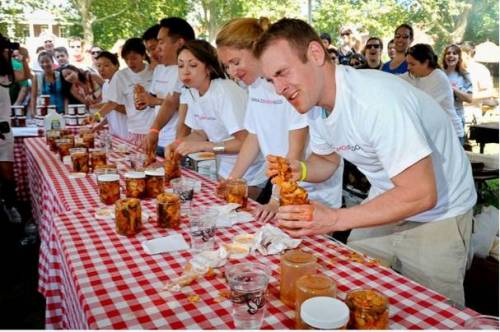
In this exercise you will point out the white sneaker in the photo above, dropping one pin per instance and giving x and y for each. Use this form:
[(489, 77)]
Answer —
[(13, 215)]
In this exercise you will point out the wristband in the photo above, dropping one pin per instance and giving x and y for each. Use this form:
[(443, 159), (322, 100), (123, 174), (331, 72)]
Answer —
[(154, 130), (303, 171), (219, 148)]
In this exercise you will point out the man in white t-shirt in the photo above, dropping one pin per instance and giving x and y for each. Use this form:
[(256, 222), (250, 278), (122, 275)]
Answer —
[(165, 91), (418, 216)]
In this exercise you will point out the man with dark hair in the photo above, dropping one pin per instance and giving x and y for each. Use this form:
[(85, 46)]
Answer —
[(150, 39), (165, 90), (418, 215), (61, 55)]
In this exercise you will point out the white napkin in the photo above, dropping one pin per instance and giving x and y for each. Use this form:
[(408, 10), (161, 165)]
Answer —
[(228, 216), (270, 240), (174, 242), (206, 259)]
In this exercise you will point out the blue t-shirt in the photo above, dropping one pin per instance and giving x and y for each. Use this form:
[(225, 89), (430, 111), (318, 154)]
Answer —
[(401, 69)]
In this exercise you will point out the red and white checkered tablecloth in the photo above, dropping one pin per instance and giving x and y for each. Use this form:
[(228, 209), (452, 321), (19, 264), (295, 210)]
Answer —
[(107, 281)]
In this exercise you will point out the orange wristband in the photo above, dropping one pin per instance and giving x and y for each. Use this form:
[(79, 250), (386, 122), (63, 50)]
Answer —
[(153, 130)]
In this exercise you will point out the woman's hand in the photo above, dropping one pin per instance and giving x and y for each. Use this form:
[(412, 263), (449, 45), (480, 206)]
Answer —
[(273, 167), (266, 212), (301, 220)]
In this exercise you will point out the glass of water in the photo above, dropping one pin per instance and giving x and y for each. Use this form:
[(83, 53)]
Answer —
[(248, 283), (184, 187), (202, 226), (482, 322)]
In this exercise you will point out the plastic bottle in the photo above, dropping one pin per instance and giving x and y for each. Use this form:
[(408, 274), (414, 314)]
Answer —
[(53, 120)]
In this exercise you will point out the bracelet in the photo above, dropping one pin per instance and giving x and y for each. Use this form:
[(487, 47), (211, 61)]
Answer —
[(303, 171), (154, 130), (219, 148)]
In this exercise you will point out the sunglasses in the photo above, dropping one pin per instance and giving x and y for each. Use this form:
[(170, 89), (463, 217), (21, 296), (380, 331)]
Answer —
[(95, 52), (345, 34), (375, 46), (75, 46)]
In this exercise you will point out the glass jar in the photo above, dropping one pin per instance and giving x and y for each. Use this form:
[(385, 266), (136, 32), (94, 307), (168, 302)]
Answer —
[(52, 136), (88, 140), (108, 182), (79, 160), (128, 217), (172, 167), (294, 264), (97, 158), (135, 184), (312, 285), (237, 192), (21, 121), (154, 182), (168, 210), (369, 310), (324, 313), (63, 146)]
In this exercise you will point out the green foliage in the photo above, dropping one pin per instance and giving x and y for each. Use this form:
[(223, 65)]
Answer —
[(483, 22)]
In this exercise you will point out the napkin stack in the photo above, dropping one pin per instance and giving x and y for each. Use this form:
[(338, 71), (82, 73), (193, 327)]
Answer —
[(228, 216)]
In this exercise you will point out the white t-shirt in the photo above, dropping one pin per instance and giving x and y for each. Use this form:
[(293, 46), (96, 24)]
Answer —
[(165, 82), (121, 91), (220, 112), (383, 126), (270, 117), (437, 85), (117, 121)]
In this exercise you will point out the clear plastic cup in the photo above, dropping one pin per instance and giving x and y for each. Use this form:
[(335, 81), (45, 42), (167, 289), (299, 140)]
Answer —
[(202, 226), (184, 187), (248, 283)]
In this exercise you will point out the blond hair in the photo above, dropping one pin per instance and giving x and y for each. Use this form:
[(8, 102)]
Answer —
[(242, 33)]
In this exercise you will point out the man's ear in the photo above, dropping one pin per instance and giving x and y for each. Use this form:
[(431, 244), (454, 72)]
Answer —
[(316, 53)]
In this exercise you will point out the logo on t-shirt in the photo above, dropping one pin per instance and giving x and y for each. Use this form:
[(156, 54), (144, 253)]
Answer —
[(267, 101), (347, 147)]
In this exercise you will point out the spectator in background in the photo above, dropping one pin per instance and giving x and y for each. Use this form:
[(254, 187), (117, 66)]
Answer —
[(77, 53), (349, 45), (459, 78), (85, 85), (482, 82), (326, 39), (373, 53), (150, 39), (403, 37), (424, 73), (391, 49), (20, 91), (48, 39), (61, 55), (94, 52), (48, 82)]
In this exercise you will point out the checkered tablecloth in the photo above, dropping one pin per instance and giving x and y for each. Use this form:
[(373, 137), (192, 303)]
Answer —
[(107, 281)]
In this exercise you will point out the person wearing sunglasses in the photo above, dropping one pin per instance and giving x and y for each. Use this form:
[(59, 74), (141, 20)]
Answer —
[(350, 45), (373, 53), (403, 37), (94, 53)]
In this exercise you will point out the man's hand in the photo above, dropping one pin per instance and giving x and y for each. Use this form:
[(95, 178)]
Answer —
[(301, 220), (186, 148), (151, 142), (169, 150), (142, 98), (266, 212), (273, 166)]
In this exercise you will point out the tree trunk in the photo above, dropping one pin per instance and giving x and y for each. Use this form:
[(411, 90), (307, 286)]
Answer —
[(83, 7)]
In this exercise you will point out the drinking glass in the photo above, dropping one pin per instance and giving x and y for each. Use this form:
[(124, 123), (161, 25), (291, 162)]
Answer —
[(202, 225), (482, 322), (184, 187), (248, 284)]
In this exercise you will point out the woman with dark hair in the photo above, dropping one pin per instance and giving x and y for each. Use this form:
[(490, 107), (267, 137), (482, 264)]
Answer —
[(215, 114), (85, 85), (114, 116), (48, 82), (8, 76), (123, 87), (459, 78), (425, 74), (403, 37)]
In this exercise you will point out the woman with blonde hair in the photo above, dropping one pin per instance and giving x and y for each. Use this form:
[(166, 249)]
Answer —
[(274, 127)]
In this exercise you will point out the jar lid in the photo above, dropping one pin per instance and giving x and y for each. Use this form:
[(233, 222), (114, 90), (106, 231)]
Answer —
[(324, 313), (135, 175), (108, 177), (298, 256), (155, 171)]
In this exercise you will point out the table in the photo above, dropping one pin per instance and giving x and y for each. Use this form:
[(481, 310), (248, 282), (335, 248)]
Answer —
[(107, 281), (484, 133)]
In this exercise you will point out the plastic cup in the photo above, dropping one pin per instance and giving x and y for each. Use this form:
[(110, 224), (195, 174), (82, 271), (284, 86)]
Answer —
[(202, 225), (184, 187), (248, 283), (482, 322)]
